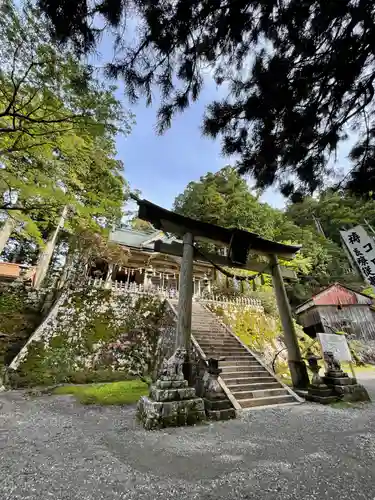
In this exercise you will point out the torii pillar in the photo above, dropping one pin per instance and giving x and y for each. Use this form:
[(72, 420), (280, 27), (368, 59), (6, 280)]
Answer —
[(185, 300), (296, 364)]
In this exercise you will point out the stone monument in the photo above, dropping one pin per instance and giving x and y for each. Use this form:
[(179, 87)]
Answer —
[(216, 403), (171, 402), (318, 391), (342, 386)]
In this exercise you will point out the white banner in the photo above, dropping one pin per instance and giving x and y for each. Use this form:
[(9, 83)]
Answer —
[(362, 248), (337, 344)]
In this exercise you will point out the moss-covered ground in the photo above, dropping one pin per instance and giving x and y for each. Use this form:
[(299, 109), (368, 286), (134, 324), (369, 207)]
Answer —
[(115, 393)]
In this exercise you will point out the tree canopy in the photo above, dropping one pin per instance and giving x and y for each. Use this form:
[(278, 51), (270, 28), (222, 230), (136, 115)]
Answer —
[(298, 75), (58, 123), (226, 199), (334, 211)]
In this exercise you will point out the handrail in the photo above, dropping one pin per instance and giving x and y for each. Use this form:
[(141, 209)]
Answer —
[(257, 358), (201, 353)]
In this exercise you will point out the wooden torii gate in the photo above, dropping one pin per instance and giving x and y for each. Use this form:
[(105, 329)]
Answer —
[(239, 243)]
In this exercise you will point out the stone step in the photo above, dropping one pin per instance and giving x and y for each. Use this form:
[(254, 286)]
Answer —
[(238, 357), (241, 362), (239, 368), (248, 381), (214, 339), (270, 400), (208, 324), (247, 373), (210, 334), (246, 369), (221, 353), (230, 348), (220, 350), (239, 395), (219, 341), (221, 414), (227, 344), (204, 319), (254, 387), (245, 380)]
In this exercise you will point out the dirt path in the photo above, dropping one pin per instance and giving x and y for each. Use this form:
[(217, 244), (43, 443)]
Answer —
[(52, 447)]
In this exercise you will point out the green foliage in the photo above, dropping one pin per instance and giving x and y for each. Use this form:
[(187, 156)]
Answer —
[(226, 199), (117, 393), (31, 371), (85, 247), (268, 301), (256, 329), (58, 123), (334, 211), (369, 291), (141, 225), (18, 319), (90, 376)]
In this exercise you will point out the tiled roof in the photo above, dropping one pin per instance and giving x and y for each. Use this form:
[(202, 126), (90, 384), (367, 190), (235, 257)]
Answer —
[(138, 239)]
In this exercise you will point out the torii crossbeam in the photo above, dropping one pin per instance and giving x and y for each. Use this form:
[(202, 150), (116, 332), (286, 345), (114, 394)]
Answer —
[(239, 243)]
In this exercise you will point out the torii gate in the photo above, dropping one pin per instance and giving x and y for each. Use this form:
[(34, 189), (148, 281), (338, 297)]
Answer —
[(239, 243)]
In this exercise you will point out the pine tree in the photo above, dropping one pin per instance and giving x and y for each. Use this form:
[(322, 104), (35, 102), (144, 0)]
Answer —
[(299, 75)]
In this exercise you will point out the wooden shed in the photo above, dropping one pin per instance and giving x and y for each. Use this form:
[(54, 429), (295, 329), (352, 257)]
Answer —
[(339, 308)]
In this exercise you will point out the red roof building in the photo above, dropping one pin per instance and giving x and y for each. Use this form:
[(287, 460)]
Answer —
[(338, 308)]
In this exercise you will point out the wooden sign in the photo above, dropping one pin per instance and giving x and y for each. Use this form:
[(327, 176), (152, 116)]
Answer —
[(337, 344), (362, 249)]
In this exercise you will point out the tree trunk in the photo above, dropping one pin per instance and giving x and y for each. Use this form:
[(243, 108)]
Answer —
[(46, 255), (6, 231)]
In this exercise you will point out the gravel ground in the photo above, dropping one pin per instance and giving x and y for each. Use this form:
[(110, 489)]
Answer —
[(52, 447)]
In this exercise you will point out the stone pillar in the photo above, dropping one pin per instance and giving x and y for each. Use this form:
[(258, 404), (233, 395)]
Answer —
[(108, 278), (183, 338), (145, 280), (298, 370), (46, 256), (6, 231)]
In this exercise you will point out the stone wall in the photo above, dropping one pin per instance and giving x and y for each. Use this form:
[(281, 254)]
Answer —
[(20, 314), (96, 335)]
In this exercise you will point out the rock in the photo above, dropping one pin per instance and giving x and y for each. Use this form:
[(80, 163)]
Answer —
[(171, 402), (352, 393), (158, 415)]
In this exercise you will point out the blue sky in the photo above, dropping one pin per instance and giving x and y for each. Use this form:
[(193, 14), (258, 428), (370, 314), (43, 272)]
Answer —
[(161, 166)]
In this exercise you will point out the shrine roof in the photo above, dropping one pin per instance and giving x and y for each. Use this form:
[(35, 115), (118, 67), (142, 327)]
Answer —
[(138, 239), (177, 224)]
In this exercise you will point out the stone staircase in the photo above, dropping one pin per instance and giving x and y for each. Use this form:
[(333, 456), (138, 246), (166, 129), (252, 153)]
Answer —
[(245, 380)]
